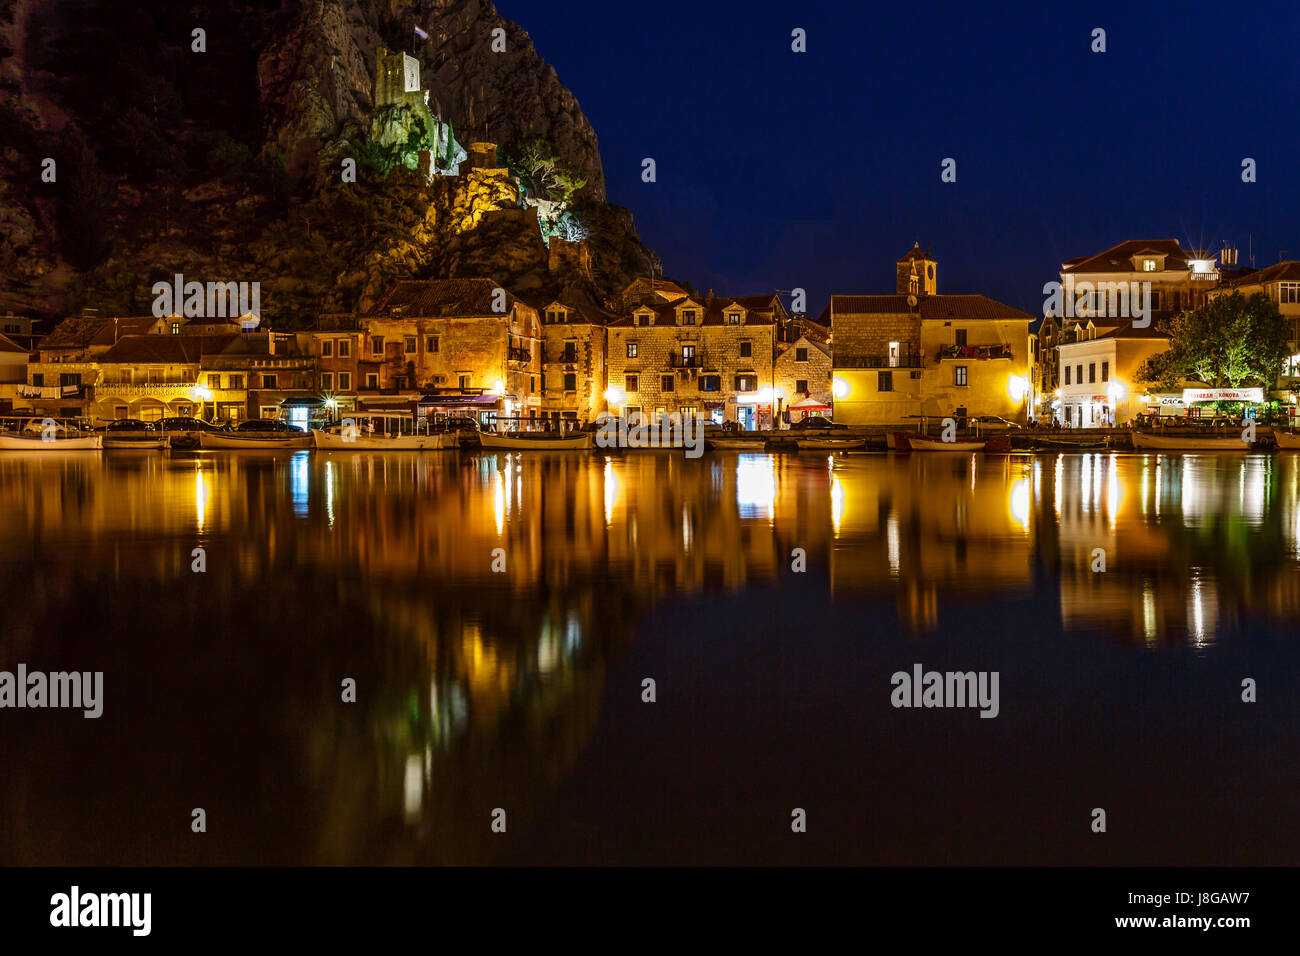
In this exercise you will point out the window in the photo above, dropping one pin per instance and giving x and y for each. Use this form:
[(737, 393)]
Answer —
[(176, 328), (345, 381), (327, 349), (345, 348), (38, 379), (746, 383), (1092, 372), (431, 343), (532, 386), (733, 318), (1153, 299), (377, 345), (893, 355), (961, 336), (1067, 375), (643, 320), (408, 345), (399, 381), (746, 349), (1288, 292), (570, 382), (1078, 374), (629, 383), (1105, 371), (801, 386), (236, 381), (327, 381), (70, 378), (688, 356), (690, 411), (1148, 265), (552, 317), (884, 381), (710, 383), (801, 355), (463, 382), (372, 380), (688, 317), (959, 375), (119, 411), (214, 380), (631, 350), (570, 351), (666, 383)]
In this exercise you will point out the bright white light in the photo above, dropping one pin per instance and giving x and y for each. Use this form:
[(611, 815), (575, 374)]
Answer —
[(614, 395), (839, 387)]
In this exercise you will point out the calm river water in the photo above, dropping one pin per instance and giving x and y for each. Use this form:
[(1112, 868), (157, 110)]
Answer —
[(522, 690)]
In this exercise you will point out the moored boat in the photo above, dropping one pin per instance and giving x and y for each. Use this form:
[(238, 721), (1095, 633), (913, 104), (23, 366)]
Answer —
[(735, 444), (1146, 441), (1065, 444), (831, 444), (37, 443), (912, 441), (1286, 440), (217, 441), (145, 441), (349, 440), (493, 441)]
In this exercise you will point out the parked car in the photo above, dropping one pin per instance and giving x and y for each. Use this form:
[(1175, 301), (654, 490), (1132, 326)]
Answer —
[(179, 424), (269, 425), (815, 421), (128, 425)]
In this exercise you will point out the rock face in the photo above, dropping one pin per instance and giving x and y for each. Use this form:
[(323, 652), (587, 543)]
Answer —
[(225, 162)]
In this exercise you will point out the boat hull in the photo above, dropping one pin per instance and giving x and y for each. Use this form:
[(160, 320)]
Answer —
[(152, 443), (830, 444), (1146, 442), (215, 442), (734, 444), (328, 441), (903, 441), (84, 443), (1286, 440), (493, 442)]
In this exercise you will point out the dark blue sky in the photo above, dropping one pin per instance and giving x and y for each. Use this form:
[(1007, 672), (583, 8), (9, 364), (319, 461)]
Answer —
[(819, 169)]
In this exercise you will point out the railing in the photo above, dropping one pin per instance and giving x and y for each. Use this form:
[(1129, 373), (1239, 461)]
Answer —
[(520, 355), (977, 352), (685, 361), (879, 361), (141, 388)]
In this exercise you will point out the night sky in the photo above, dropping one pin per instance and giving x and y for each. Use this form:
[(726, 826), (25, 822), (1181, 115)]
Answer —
[(819, 169)]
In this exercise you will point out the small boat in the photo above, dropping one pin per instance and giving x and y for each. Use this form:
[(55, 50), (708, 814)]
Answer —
[(493, 441), (831, 444), (142, 441), (913, 441), (735, 444), (218, 441), (1145, 441), (1286, 440), (1064, 444), (35, 442), (350, 440)]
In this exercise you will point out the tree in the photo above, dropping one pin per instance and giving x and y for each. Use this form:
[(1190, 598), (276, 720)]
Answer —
[(1231, 341), (541, 174)]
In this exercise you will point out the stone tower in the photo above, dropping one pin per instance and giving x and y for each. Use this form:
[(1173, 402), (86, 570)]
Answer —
[(397, 80), (916, 273)]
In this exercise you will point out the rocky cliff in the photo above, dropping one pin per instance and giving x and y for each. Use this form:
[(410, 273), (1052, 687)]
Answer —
[(219, 154)]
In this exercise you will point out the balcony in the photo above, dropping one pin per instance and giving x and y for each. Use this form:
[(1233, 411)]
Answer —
[(976, 352), (520, 355), (879, 361), (685, 361)]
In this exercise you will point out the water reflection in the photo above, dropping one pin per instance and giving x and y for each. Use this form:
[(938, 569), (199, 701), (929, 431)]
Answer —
[(478, 600)]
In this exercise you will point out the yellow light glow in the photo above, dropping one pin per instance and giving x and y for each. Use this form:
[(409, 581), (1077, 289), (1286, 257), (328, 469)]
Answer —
[(1017, 385), (1116, 390), (1018, 503), (840, 387), (614, 395), (764, 395), (498, 387), (201, 393)]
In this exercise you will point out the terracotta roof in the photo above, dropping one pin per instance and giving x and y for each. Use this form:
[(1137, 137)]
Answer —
[(1120, 258), (1288, 271), (916, 252), (643, 285), (80, 331), (166, 349), (930, 307), (9, 345), (757, 311), (442, 298), (1127, 331)]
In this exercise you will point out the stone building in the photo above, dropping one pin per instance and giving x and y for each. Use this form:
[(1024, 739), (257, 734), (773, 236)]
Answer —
[(697, 356), (803, 378), (574, 375), (447, 338), (919, 353), (1280, 283), (61, 381)]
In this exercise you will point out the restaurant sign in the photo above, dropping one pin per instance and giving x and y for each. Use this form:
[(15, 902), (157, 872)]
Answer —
[(1191, 395)]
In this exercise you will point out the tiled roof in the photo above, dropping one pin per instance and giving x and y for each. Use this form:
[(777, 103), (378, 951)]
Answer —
[(757, 308), (643, 285), (80, 331), (916, 252), (1120, 258), (1127, 331), (442, 298), (930, 307), (166, 349), (9, 345), (1288, 271)]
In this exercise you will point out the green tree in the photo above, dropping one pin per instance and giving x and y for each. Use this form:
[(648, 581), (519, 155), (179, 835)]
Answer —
[(1231, 341)]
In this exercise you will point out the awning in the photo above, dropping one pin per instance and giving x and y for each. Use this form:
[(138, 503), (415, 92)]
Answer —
[(807, 403)]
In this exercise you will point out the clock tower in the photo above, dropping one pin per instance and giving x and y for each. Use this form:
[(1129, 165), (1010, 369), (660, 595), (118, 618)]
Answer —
[(916, 273)]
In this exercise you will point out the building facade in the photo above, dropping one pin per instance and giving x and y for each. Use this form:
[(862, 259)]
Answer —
[(574, 376), (803, 378), (1099, 387)]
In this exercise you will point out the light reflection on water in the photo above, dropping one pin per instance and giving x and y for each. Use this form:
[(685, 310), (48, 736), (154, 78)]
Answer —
[(476, 681)]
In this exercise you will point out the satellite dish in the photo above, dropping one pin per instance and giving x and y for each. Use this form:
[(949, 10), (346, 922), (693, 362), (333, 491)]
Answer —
[(911, 302)]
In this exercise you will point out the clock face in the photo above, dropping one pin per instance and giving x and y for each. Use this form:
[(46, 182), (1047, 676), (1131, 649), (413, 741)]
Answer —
[(929, 271)]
